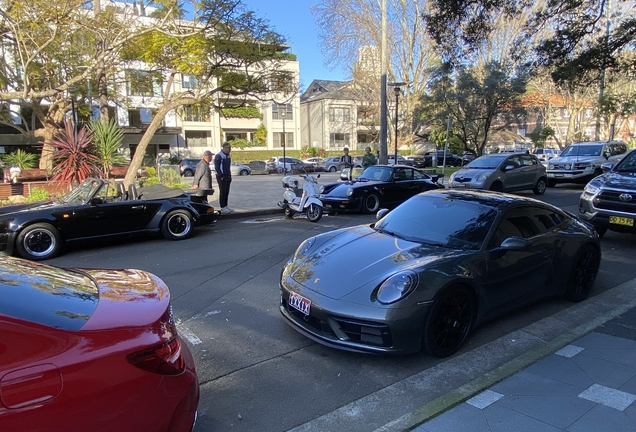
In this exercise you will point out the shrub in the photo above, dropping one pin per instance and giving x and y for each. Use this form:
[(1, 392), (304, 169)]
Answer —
[(75, 159), (38, 194), (21, 159)]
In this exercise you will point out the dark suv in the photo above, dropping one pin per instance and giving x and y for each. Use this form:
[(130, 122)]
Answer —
[(187, 167), (609, 201)]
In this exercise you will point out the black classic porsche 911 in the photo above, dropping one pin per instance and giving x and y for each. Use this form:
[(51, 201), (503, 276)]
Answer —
[(98, 209), (378, 186)]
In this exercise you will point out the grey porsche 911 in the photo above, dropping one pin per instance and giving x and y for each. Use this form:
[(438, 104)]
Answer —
[(427, 273)]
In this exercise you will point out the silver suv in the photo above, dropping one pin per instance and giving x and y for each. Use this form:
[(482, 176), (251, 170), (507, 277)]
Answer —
[(581, 162)]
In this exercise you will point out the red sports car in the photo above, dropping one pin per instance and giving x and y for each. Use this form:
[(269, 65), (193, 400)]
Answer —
[(91, 350)]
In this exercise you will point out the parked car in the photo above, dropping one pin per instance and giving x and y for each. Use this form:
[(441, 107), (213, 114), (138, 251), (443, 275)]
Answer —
[(276, 163), (581, 162), (98, 209), (258, 167), (545, 154), (502, 172), (609, 201), (91, 350), (418, 161), (236, 169), (378, 186), (430, 271), (318, 162), (187, 167), (401, 160), (332, 164), (451, 159)]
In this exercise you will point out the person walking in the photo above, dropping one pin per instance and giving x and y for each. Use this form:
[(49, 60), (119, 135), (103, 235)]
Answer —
[(202, 180), (346, 161), (368, 159), (222, 164)]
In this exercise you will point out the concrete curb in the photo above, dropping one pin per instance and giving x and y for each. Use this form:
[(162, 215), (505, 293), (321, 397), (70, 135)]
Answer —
[(238, 213)]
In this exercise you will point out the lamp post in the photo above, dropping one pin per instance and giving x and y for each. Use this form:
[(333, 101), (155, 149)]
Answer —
[(283, 113), (397, 87)]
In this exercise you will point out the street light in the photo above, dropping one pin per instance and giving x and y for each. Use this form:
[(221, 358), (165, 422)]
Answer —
[(283, 113), (397, 87)]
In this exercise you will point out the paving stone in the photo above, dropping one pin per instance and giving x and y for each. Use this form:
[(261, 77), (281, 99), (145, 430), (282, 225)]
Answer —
[(462, 418), (525, 383), (569, 351), (561, 369), (484, 399), (603, 419), (608, 396), (558, 411), (503, 419), (604, 372)]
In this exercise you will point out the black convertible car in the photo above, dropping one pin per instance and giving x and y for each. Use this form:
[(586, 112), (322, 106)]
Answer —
[(378, 186), (97, 209), (428, 272)]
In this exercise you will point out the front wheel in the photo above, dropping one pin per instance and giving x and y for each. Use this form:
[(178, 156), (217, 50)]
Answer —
[(289, 213), (371, 203), (38, 242), (177, 225), (314, 212), (333, 169), (188, 173), (243, 172), (582, 274), (540, 187), (449, 322), (496, 187)]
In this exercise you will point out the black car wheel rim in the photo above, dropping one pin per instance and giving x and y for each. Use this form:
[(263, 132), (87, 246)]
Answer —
[(372, 203), (452, 320), (584, 273), (179, 225), (40, 242)]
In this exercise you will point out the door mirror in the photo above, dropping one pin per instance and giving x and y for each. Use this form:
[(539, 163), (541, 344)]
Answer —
[(514, 243), (607, 166), (508, 168), (381, 213)]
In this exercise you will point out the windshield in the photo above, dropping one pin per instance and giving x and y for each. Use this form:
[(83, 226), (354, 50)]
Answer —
[(490, 162), (376, 173), (582, 150), (82, 192), (628, 164), (440, 220)]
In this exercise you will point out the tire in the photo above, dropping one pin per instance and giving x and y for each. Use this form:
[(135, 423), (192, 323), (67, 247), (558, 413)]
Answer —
[(582, 274), (601, 230), (371, 203), (188, 173), (449, 322), (244, 172), (496, 187), (289, 213), (177, 225), (314, 213), (38, 242), (333, 169), (551, 183), (540, 187)]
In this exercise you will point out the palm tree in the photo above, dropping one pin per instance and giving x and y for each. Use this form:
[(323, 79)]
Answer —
[(107, 139)]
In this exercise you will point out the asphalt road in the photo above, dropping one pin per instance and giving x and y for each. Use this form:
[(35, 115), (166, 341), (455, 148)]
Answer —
[(257, 373)]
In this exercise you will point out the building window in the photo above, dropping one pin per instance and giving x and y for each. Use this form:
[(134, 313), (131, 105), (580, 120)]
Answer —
[(196, 113), (143, 83), (289, 139), (197, 138), (339, 114), (189, 81), (339, 139), (139, 117), (278, 109)]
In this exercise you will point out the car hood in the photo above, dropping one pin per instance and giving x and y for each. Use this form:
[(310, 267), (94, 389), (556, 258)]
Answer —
[(570, 159), (615, 180), (339, 190), (344, 261), (20, 208)]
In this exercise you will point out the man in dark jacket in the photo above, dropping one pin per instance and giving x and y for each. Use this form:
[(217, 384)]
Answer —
[(202, 181), (222, 164)]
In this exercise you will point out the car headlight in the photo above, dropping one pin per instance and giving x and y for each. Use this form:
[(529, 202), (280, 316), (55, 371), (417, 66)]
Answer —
[(482, 177), (304, 247), (452, 177), (397, 287), (322, 189), (349, 192), (591, 189)]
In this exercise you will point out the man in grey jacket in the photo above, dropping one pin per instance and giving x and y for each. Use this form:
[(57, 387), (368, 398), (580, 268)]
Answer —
[(202, 180)]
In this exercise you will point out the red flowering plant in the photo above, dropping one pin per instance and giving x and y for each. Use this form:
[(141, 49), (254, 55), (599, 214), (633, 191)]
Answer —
[(74, 158)]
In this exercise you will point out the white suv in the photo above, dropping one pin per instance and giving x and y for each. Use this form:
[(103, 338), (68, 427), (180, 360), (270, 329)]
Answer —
[(545, 154), (581, 162)]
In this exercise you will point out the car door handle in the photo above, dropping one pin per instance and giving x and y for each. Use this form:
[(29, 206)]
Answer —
[(139, 207)]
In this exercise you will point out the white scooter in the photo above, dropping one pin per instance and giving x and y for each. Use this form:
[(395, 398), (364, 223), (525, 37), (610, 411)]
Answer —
[(305, 200)]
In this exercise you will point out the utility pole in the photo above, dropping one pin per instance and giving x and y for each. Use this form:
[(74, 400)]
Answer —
[(601, 90), (383, 111)]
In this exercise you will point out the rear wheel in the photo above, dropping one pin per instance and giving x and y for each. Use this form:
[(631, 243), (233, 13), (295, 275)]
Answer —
[(314, 212), (582, 274), (188, 173), (496, 187), (333, 169), (540, 187), (177, 225), (38, 241), (448, 322), (244, 172), (371, 203)]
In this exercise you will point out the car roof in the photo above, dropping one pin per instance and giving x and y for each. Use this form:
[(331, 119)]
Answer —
[(487, 198)]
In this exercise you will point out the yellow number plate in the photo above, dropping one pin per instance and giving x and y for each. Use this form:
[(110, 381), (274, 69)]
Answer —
[(621, 221)]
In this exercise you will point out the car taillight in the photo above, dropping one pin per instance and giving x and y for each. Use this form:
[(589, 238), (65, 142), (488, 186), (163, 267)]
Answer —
[(164, 358)]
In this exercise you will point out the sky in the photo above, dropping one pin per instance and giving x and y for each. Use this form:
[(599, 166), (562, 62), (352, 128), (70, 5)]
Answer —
[(293, 20)]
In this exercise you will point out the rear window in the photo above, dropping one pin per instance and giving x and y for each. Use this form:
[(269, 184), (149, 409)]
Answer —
[(46, 295)]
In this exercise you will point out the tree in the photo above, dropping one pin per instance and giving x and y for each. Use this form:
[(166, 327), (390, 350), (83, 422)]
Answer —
[(107, 138), (75, 159)]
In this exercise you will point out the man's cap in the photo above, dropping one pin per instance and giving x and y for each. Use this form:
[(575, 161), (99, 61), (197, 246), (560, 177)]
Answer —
[(207, 153)]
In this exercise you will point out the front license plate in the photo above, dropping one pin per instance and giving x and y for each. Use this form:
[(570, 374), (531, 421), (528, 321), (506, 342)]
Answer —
[(621, 221), (299, 302), (558, 175)]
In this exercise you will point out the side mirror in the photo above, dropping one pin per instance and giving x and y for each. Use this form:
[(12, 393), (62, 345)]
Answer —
[(508, 168), (381, 213), (606, 155), (96, 200), (607, 166), (514, 243)]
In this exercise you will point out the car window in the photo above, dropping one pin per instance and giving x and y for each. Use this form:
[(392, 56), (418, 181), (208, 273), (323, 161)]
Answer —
[(513, 160), (517, 222), (418, 175), (528, 160), (400, 174)]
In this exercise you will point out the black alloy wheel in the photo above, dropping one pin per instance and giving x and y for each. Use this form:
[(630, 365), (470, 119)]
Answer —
[(449, 321), (177, 225), (583, 274), (38, 242), (371, 203)]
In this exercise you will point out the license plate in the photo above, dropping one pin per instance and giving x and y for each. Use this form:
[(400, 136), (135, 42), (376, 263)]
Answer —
[(327, 205), (299, 302), (558, 175), (621, 221)]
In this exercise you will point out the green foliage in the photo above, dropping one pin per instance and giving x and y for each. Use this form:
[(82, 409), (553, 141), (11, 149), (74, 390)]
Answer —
[(260, 135), (75, 159), (38, 194), (174, 159), (540, 135), (241, 143), (310, 151), (167, 177), (241, 112), (21, 159), (107, 138)]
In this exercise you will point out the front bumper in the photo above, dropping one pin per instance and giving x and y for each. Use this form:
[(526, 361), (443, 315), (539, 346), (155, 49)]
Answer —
[(604, 213), (578, 176), (335, 205), (353, 327)]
